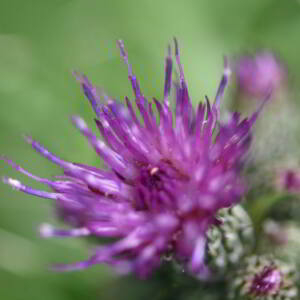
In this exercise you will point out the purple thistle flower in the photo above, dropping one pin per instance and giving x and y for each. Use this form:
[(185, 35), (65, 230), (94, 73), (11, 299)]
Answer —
[(288, 180), (164, 182), (267, 282), (260, 75), (264, 277)]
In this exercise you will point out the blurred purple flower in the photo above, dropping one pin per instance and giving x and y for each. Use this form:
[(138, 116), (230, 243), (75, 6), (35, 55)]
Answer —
[(165, 180), (260, 75), (289, 180)]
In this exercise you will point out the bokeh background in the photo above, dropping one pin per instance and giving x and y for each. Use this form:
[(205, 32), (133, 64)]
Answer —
[(41, 43)]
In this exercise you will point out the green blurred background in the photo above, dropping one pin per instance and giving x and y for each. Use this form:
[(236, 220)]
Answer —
[(41, 43)]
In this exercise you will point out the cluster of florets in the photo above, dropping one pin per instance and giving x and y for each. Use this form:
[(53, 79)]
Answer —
[(165, 179)]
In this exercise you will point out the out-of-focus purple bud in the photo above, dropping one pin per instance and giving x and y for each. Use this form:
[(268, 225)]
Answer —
[(260, 75), (289, 180)]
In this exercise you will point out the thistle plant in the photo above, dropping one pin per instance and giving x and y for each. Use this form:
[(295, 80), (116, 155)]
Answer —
[(170, 189), (164, 182)]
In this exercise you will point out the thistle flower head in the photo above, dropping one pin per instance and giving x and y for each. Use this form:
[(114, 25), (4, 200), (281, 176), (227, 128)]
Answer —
[(262, 278), (164, 182), (289, 180), (258, 76), (266, 282)]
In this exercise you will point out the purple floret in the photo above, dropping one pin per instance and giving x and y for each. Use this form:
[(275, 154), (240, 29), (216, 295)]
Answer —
[(164, 182)]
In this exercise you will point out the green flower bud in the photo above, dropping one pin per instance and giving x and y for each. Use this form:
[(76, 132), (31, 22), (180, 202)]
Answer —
[(230, 240)]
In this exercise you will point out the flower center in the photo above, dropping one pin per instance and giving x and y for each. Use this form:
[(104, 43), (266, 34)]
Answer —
[(152, 189), (151, 179)]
